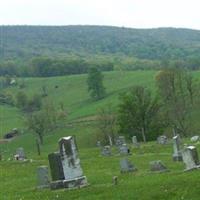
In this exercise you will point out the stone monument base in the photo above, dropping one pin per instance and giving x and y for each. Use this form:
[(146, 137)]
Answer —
[(69, 184), (193, 168), (177, 157)]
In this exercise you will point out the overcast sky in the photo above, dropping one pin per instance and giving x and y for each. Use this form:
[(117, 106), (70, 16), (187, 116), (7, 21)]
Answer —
[(128, 13)]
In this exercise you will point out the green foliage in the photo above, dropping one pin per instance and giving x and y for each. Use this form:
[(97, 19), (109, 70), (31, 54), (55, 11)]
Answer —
[(180, 95), (138, 114), (21, 99), (95, 84)]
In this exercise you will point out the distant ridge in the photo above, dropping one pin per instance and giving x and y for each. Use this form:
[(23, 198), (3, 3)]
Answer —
[(24, 42)]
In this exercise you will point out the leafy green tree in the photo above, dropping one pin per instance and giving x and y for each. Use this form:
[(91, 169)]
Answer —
[(179, 94), (139, 114), (21, 100), (95, 84)]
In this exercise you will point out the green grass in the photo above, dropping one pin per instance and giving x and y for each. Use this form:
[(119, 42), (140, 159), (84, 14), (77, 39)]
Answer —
[(18, 179)]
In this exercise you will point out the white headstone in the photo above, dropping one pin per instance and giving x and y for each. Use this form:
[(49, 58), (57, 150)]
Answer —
[(195, 138), (162, 139), (190, 158), (135, 142)]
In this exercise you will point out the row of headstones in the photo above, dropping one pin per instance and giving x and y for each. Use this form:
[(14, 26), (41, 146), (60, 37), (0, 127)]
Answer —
[(188, 154)]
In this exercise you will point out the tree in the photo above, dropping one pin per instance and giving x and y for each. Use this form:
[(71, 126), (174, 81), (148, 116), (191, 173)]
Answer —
[(21, 100), (107, 123), (178, 92), (95, 84), (139, 114)]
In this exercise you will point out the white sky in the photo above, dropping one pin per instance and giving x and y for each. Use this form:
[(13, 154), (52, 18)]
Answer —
[(128, 13)]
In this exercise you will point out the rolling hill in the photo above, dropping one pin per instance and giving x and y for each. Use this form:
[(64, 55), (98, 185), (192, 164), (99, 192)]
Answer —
[(24, 42)]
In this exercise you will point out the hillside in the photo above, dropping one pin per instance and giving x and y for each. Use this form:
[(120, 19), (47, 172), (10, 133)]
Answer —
[(18, 180), (23, 42)]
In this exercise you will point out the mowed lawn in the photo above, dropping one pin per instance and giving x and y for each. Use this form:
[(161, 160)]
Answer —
[(18, 179)]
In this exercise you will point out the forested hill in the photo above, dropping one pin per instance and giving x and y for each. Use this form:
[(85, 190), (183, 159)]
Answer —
[(23, 42)]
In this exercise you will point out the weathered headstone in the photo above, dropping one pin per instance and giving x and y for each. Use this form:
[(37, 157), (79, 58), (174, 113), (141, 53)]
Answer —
[(106, 151), (120, 141), (42, 177), (70, 173), (115, 180), (135, 142), (157, 166), (98, 143), (195, 138), (162, 139), (177, 155), (126, 166), (124, 150), (190, 158), (20, 155), (56, 167)]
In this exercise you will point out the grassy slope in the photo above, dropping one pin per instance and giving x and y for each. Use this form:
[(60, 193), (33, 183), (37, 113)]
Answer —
[(18, 180)]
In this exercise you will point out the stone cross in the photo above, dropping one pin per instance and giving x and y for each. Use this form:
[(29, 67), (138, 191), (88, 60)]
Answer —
[(177, 156), (126, 166), (190, 158), (42, 177)]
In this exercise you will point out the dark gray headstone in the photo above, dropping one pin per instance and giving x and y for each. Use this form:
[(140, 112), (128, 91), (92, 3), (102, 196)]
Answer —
[(56, 167)]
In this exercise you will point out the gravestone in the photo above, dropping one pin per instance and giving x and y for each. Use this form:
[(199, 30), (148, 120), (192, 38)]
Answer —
[(135, 142), (177, 155), (195, 138), (190, 158), (157, 166), (162, 140), (124, 150), (106, 151), (70, 173), (126, 166), (120, 141), (42, 177), (56, 167), (20, 155), (98, 143)]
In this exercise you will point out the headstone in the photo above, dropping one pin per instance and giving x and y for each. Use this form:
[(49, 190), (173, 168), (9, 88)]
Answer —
[(69, 173), (190, 158), (126, 166), (98, 144), (56, 167), (162, 139), (120, 141), (20, 155), (115, 180), (177, 155), (124, 150), (42, 177), (157, 166), (106, 151), (135, 142), (195, 138)]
